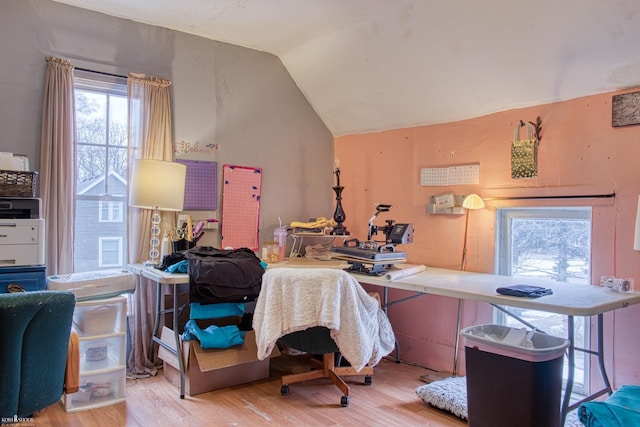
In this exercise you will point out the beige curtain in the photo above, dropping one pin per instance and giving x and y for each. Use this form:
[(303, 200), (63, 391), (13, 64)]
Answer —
[(149, 138), (57, 165)]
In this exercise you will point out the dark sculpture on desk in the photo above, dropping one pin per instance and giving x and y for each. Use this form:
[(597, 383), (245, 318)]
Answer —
[(339, 215)]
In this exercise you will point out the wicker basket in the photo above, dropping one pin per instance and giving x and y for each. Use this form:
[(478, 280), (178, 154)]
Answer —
[(18, 184)]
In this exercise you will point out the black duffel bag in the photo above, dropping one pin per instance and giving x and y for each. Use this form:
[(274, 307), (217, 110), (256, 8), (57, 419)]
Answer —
[(229, 275)]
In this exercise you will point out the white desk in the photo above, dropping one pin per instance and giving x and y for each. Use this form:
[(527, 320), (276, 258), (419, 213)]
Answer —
[(567, 299), (162, 278)]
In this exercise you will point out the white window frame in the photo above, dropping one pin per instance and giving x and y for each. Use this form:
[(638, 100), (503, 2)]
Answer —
[(503, 265), (101, 241), (109, 85)]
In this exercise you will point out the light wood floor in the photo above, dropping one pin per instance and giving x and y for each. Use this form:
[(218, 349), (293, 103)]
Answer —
[(390, 401)]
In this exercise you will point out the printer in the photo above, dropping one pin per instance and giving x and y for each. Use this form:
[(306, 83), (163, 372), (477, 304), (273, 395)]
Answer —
[(21, 232)]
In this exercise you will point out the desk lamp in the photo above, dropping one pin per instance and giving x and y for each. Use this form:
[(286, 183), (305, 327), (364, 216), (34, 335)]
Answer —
[(471, 202), (157, 185)]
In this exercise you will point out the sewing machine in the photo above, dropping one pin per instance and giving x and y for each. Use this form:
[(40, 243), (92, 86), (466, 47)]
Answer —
[(374, 257)]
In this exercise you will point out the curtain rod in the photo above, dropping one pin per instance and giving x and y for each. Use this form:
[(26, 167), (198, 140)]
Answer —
[(585, 196), (100, 72)]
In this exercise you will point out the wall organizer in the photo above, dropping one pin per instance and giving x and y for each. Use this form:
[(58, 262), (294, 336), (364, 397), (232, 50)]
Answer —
[(201, 186), (241, 188), (453, 175)]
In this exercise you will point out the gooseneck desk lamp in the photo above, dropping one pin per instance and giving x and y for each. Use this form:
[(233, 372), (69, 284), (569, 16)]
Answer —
[(157, 185)]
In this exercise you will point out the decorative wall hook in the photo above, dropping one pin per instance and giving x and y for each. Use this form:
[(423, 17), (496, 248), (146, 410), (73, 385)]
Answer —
[(538, 128)]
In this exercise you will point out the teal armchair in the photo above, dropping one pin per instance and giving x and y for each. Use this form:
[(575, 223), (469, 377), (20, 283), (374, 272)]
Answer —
[(34, 339)]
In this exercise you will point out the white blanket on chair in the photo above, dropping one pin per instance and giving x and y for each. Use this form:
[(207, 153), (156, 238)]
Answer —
[(294, 299)]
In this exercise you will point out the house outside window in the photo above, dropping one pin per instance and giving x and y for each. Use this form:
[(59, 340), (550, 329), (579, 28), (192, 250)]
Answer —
[(101, 171), (547, 243)]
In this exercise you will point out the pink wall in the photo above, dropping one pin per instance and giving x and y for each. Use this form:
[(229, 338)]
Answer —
[(580, 153)]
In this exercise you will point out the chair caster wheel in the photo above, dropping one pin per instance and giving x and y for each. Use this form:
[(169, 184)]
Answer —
[(368, 380), (284, 390), (344, 401)]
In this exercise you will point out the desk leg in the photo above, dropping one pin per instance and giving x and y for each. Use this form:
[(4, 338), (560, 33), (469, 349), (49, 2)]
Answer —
[(385, 300), (156, 322), (572, 365), (176, 335), (454, 371), (603, 371)]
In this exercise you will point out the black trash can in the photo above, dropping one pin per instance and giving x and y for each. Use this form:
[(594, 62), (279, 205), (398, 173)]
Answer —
[(514, 377)]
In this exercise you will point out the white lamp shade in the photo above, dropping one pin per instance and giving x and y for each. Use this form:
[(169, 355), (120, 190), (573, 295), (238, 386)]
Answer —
[(157, 184), (473, 201)]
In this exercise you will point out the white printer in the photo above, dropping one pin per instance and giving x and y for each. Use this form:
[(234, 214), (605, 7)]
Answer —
[(21, 232), (94, 284)]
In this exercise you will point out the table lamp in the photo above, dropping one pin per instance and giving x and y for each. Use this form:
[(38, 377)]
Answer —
[(157, 185)]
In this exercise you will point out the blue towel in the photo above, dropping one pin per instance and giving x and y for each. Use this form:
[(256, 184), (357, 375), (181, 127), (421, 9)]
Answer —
[(216, 311), (213, 336), (621, 409), (179, 267)]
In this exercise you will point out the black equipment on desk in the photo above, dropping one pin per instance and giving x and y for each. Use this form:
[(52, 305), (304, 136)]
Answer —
[(380, 255)]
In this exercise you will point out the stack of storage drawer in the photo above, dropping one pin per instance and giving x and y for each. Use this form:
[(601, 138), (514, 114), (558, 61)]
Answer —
[(102, 331)]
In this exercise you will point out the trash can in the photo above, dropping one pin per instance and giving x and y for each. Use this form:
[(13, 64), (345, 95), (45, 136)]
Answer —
[(514, 376)]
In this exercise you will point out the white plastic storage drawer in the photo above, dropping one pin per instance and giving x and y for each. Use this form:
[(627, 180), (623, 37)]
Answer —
[(96, 391), (100, 317), (102, 353)]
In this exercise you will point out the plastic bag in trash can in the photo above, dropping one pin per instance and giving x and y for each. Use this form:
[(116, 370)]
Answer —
[(521, 344)]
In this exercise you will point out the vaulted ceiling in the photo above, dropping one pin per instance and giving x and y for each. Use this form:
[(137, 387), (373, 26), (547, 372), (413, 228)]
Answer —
[(370, 65)]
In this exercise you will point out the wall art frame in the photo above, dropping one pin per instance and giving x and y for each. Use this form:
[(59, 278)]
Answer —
[(625, 109)]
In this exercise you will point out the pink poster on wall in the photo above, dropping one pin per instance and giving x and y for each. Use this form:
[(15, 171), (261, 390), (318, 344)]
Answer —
[(241, 187)]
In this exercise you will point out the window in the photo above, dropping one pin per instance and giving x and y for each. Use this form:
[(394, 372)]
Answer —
[(110, 211), (110, 252), (547, 243), (101, 171)]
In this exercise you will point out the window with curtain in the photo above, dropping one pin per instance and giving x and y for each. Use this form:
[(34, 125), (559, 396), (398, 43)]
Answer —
[(100, 222), (547, 243)]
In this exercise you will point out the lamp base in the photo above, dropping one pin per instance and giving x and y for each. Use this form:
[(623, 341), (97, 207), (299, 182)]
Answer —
[(151, 263)]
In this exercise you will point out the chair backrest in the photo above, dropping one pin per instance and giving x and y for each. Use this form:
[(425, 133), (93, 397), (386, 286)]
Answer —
[(295, 299), (34, 339)]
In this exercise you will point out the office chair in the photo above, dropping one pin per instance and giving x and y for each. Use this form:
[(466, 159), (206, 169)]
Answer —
[(34, 336), (322, 311)]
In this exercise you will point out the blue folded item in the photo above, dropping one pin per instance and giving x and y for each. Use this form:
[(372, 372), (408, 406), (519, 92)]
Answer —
[(621, 409), (216, 311), (524, 291), (179, 267), (213, 336)]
